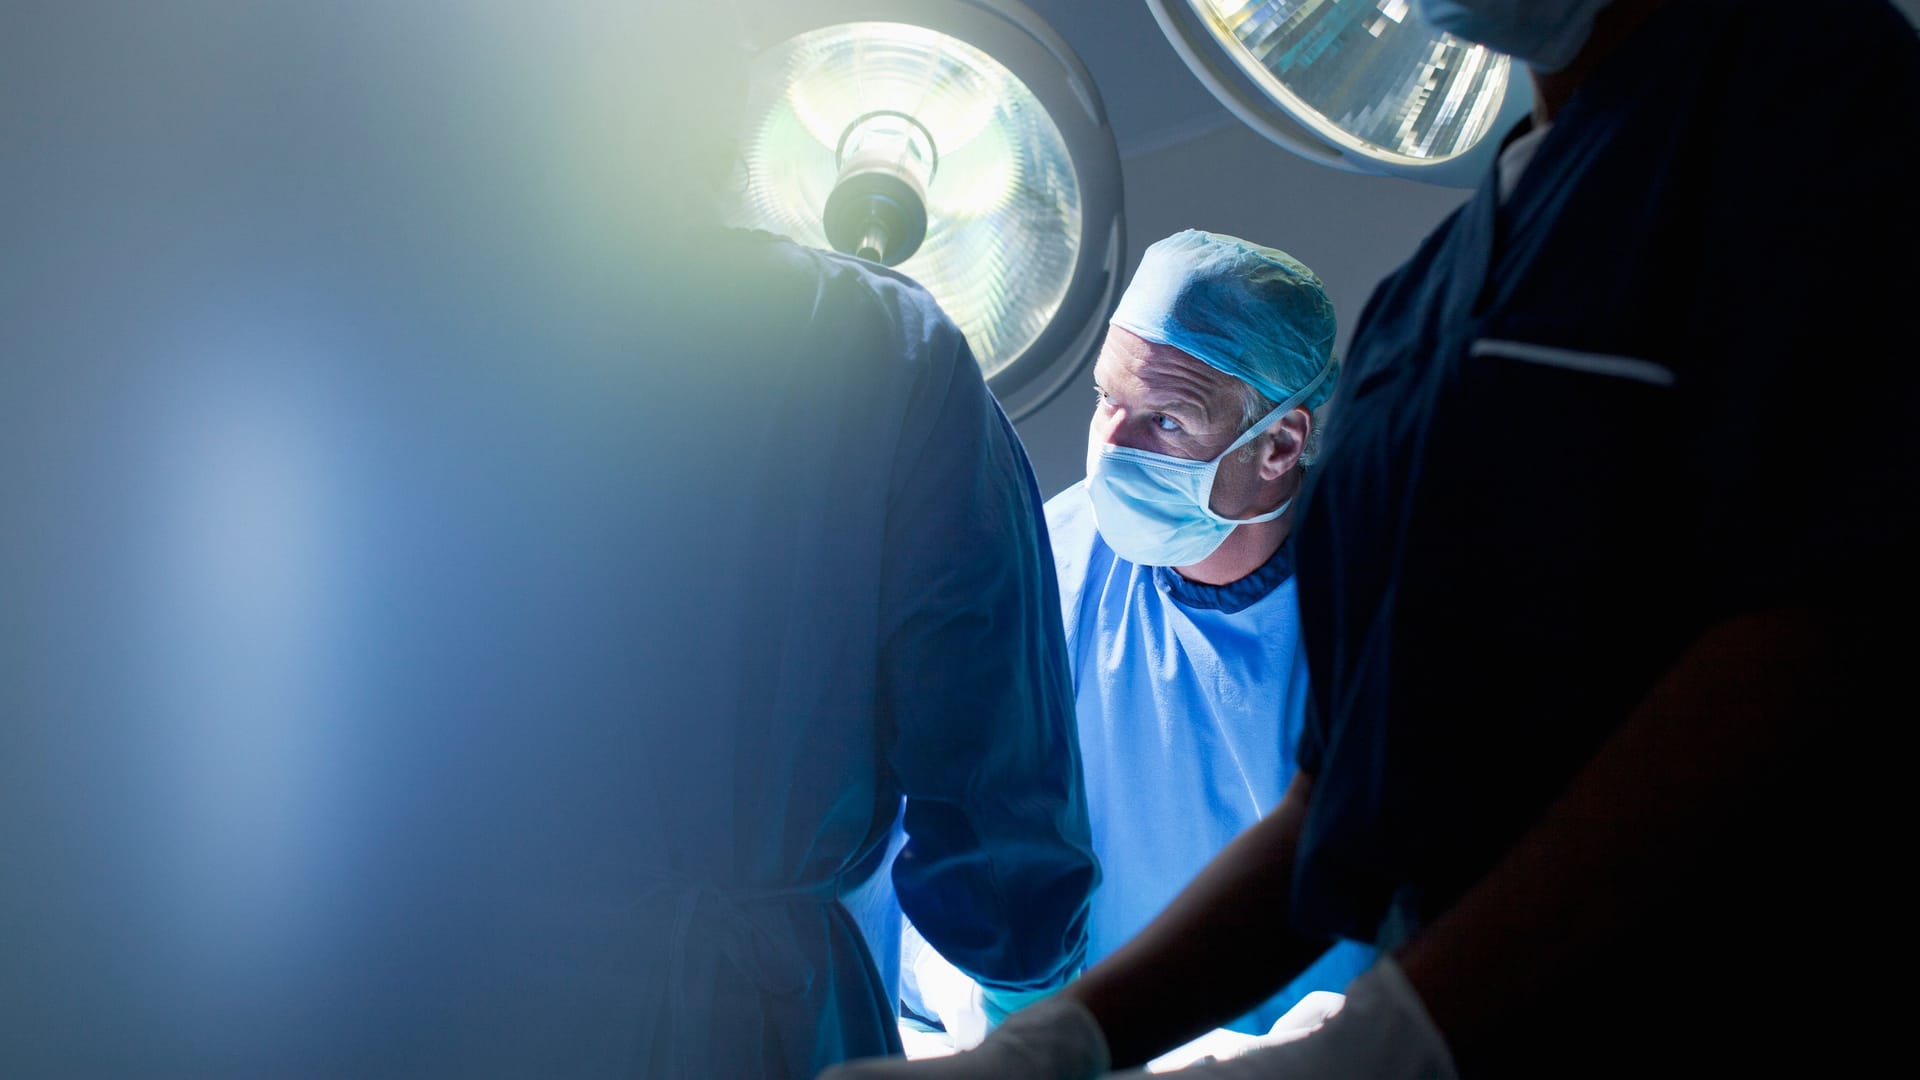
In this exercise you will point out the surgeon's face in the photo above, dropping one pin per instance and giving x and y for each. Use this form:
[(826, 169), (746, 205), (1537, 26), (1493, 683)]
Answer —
[(1160, 399)]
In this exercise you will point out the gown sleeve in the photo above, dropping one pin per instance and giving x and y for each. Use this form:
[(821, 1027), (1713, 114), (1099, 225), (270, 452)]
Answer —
[(998, 864)]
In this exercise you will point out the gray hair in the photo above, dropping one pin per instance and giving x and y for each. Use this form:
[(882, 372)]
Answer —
[(1254, 405)]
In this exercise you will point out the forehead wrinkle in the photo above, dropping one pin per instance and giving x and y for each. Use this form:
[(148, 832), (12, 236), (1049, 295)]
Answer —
[(1166, 379)]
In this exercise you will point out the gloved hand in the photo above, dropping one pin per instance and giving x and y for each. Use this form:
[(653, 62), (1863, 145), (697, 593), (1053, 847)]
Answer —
[(965, 1008), (1220, 1044), (1054, 1039), (1306, 1017), (1382, 1031), (950, 996)]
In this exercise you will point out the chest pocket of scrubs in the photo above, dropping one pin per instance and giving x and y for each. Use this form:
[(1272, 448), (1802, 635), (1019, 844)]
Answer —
[(1573, 360), (1556, 453), (1529, 552), (1539, 530), (1544, 457)]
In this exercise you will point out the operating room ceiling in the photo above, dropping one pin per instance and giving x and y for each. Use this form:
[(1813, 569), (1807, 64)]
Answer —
[(1187, 162), (1152, 100)]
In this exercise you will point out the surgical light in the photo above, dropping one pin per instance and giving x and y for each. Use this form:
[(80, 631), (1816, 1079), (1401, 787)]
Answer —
[(1361, 85), (960, 141)]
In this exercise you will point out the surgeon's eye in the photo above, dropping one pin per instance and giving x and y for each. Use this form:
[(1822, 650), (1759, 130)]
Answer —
[(1100, 399), (1165, 422)]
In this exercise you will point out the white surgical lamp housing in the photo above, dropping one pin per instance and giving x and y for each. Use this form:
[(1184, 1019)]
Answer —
[(960, 141), (1361, 85)]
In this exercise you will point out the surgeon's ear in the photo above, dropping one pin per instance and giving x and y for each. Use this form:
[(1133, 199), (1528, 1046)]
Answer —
[(1286, 438)]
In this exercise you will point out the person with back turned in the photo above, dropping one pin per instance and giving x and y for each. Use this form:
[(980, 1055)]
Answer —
[(468, 613)]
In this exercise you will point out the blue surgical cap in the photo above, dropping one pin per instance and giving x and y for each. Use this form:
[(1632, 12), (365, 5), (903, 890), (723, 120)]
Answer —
[(1254, 312)]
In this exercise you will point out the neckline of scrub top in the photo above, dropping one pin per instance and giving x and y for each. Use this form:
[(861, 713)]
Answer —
[(1234, 596), (1517, 153)]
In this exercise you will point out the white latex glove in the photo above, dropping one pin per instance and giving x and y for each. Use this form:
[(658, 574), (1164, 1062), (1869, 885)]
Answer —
[(1222, 1044), (1382, 1032), (1054, 1039), (1216, 1045), (1305, 1018), (965, 1008), (954, 998)]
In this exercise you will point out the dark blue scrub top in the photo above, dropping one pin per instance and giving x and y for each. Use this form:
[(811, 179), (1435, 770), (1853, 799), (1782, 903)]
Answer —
[(1575, 431)]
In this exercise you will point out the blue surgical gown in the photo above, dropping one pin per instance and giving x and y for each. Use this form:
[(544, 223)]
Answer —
[(1189, 698)]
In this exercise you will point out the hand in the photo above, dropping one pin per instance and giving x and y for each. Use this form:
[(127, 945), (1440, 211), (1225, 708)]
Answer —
[(954, 999), (1222, 1044), (1381, 1031), (1054, 1039), (1305, 1018), (964, 1008)]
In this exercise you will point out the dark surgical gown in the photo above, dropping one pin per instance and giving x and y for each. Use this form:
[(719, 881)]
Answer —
[(1667, 382), (446, 635)]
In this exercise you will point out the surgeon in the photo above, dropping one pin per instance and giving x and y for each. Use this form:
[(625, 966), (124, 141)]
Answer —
[(468, 613), (1600, 619), (1177, 581)]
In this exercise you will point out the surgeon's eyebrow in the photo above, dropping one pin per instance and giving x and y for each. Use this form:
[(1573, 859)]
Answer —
[(1180, 408), (1183, 410), (1199, 401), (1191, 412), (1188, 409)]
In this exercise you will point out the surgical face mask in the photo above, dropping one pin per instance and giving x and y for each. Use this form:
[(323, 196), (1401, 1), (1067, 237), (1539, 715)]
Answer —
[(1152, 510), (1547, 35)]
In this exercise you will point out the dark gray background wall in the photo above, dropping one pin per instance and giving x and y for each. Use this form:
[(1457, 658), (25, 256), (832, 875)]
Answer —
[(1188, 163)]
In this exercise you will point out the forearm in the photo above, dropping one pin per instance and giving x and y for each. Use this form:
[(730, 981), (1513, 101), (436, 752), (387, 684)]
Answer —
[(1219, 948), (1714, 736)]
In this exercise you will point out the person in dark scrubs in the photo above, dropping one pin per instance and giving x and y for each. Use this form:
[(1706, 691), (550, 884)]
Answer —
[(1603, 583)]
